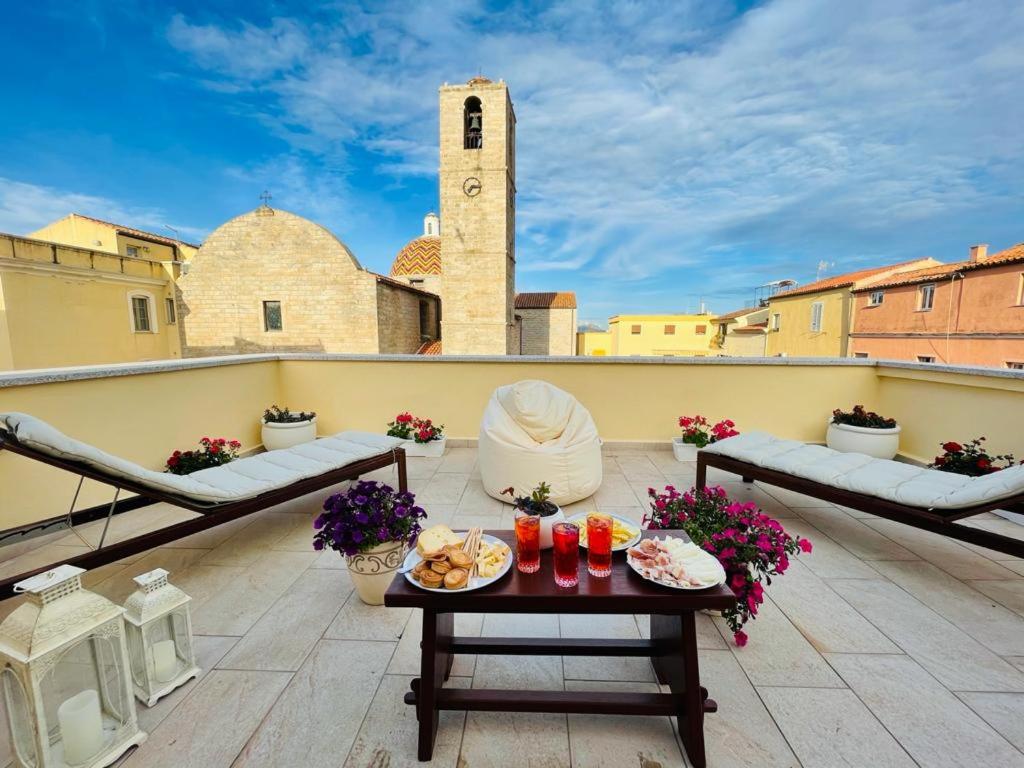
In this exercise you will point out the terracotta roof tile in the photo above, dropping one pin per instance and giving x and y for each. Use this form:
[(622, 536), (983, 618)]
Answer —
[(430, 348), (421, 256), (738, 313), (140, 233), (1009, 256), (846, 279), (553, 300)]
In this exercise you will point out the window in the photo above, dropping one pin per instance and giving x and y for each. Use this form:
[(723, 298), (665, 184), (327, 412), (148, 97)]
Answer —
[(272, 316), (415, 281), (1014, 366), (473, 122), (424, 320), (860, 354), (670, 330), (1020, 291), (132, 250), (926, 358), (817, 308), (701, 330), (876, 298), (172, 315), (926, 297), (776, 321), (635, 330), (142, 313)]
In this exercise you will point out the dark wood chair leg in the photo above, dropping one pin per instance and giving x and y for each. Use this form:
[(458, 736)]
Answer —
[(702, 471), (403, 474), (746, 479)]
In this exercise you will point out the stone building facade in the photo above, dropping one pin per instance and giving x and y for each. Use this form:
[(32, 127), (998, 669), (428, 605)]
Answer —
[(547, 323)]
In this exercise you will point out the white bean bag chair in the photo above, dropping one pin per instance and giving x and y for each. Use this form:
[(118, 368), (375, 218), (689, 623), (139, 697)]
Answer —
[(533, 432)]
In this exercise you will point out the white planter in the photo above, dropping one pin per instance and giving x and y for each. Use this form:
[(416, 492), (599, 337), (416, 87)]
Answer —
[(433, 449), (278, 436), (683, 451), (880, 443), (373, 570), (546, 541)]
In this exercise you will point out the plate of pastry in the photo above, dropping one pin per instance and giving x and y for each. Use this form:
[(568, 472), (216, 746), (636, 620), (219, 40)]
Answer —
[(446, 561)]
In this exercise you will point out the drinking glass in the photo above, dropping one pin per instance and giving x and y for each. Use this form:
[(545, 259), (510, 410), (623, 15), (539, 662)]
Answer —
[(528, 543), (566, 553), (599, 544)]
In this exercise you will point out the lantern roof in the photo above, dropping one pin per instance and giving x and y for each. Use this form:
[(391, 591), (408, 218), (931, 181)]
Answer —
[(58, 610), (154, 598)]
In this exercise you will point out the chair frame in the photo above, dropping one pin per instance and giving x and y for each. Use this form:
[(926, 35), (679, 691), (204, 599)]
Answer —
[(211, 514), (935, 520)]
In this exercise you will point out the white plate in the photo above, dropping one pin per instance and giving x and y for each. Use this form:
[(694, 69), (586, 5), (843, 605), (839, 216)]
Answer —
[(477, 582), (618, 547), (721, 573)]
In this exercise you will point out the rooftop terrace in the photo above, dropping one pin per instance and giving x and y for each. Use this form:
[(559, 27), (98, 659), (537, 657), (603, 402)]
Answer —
[(886, 646)]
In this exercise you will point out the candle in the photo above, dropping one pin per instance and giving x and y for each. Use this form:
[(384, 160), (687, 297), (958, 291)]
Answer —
[(81, 726), (165, 661)]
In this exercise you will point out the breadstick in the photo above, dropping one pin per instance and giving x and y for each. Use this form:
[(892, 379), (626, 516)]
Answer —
[(471, 546)]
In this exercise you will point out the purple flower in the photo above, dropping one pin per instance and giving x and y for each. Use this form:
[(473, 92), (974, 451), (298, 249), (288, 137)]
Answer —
[(319, 522), (357, 535), (318, 544), (360, 501), (401, 511)]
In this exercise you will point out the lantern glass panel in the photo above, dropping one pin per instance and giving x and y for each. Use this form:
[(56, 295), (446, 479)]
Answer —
[(22, 729), (136, 653)]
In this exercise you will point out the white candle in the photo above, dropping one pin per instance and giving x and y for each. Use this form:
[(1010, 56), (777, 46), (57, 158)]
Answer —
[(81, 726), (165, 661)]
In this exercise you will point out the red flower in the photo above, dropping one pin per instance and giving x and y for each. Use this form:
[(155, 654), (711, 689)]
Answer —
[(740, 638), (403, 418), (952, 447), (805, 545), (235, 444), (940, 460), (173, 461), (214, 448), (984, 464)]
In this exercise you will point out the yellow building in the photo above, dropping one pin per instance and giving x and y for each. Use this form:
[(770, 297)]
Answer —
[(594, 343), (814, 320), (663, 335), (98, 235), (61, 305), (743, 333)]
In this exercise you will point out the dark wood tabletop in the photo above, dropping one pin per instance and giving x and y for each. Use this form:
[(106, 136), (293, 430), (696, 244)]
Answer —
[(625, 591)]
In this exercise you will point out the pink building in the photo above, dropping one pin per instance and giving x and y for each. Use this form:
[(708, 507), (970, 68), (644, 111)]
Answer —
[(968, 313)]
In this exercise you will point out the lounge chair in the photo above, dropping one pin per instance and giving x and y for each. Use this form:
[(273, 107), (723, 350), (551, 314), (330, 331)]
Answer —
[(218, 494), (907, 493)]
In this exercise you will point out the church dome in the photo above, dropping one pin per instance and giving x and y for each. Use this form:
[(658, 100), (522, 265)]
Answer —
[(421, 256)]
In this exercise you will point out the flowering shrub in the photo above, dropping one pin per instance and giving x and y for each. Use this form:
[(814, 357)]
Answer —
[(859, 417), (970, 459), (750, 545), (367, 514), (210, 453), (275, 415), (409, 427), (698, 431)]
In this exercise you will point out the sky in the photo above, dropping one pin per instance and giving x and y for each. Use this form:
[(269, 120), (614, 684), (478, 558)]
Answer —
[(668, 153)]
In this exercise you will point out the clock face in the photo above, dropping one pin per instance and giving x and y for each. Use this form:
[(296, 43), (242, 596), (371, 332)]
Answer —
[(471, 186)]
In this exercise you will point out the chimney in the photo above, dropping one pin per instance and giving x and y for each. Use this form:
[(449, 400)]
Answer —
[(979, 253)]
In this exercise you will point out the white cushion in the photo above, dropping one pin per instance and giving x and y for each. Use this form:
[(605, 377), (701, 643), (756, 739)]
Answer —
[(895, 481), (239, 479), (534, 432)]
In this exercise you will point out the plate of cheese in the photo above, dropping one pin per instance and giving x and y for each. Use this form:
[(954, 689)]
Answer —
[(675, 563), (446, 561), (625, 533)]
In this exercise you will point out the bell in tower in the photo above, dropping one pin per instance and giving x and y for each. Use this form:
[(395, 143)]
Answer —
[(474, 118)]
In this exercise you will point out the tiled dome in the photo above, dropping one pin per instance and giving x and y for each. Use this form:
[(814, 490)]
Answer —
[(421, 256)]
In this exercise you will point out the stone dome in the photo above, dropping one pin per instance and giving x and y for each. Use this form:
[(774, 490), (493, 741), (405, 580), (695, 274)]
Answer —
[(420, 256)]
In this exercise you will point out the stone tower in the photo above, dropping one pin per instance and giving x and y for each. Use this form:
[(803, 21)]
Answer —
[(478, 215)]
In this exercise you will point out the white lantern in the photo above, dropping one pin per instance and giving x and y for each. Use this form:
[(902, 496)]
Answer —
[(65, 675), (159, 637)]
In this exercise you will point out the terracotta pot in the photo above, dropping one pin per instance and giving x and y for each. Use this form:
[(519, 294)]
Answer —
[(373, 570), (879, 443), (287, 435)]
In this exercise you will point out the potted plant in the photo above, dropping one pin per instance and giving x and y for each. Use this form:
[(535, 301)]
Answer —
[(422, 437), (751, 546), (698, 432), (862, 431), (284, 429), (970, 458), (212, 452), (538, 503), (371, 524)]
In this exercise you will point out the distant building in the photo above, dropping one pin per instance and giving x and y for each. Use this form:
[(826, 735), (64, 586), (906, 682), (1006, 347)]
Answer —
[(547, 323), (815, 320), (593, 343), (663, 335), (967, 313), (743, 333), (98, 235), (419, 261)]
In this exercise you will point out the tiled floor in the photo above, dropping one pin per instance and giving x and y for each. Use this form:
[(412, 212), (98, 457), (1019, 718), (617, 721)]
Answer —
[(887, 646)]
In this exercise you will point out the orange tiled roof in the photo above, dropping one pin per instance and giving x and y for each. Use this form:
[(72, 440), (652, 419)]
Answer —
[(552, 300), (844, 280), (738, 313), (1009, 256), (140, 233), (430, 348), (421, 256)]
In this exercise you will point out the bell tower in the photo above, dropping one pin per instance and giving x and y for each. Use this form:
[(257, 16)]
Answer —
[(478, 218)]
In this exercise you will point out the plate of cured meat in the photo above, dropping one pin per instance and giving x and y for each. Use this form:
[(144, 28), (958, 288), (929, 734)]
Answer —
[(675, 563)]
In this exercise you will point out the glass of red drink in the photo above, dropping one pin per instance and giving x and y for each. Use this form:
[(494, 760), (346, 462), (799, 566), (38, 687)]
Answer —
[(528, 543), (566, 554), (599, 544)]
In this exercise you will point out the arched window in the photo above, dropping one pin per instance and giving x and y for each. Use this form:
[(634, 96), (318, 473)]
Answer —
[(473, 118)]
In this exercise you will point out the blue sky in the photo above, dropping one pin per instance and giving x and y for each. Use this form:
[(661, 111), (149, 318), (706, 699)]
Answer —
[(667, 151)]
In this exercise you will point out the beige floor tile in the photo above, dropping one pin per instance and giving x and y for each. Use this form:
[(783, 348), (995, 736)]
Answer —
[(588, 504), (520, 625), (1009, 592), (421, 466), (387, 738), (462, 460), (828, 560), (946, 553), (615, 491), (1003, 711), (286, 633), (638, 468), (931, 724), (359, 621), (316, 719), (438, 514), (330, 559), (609, 466), (828, 622), (744, 492), (476, 501), (855, 535), (777, 654), (794, 499), (828, 728), (623, 627), (708, 636), (299, 537), (684, 478), (614, 741), (127, 524), (212, 537), (443, 488), (463, 522), (957, 660), (666, 461), (41, 557), (210, 727), (118, 586), (246, 546), (406, 660), (741, 734), (981, 617)]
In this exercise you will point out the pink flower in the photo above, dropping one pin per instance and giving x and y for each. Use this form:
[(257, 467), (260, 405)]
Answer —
[(660, 504), (805, 545), (727, 554), (740, 638)]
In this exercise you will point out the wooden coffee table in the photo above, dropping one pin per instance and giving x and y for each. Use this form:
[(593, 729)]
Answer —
[(672, 647)]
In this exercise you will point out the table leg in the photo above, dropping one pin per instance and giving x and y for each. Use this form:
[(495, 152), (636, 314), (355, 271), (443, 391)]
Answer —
[(435, 664), (676, 665)]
